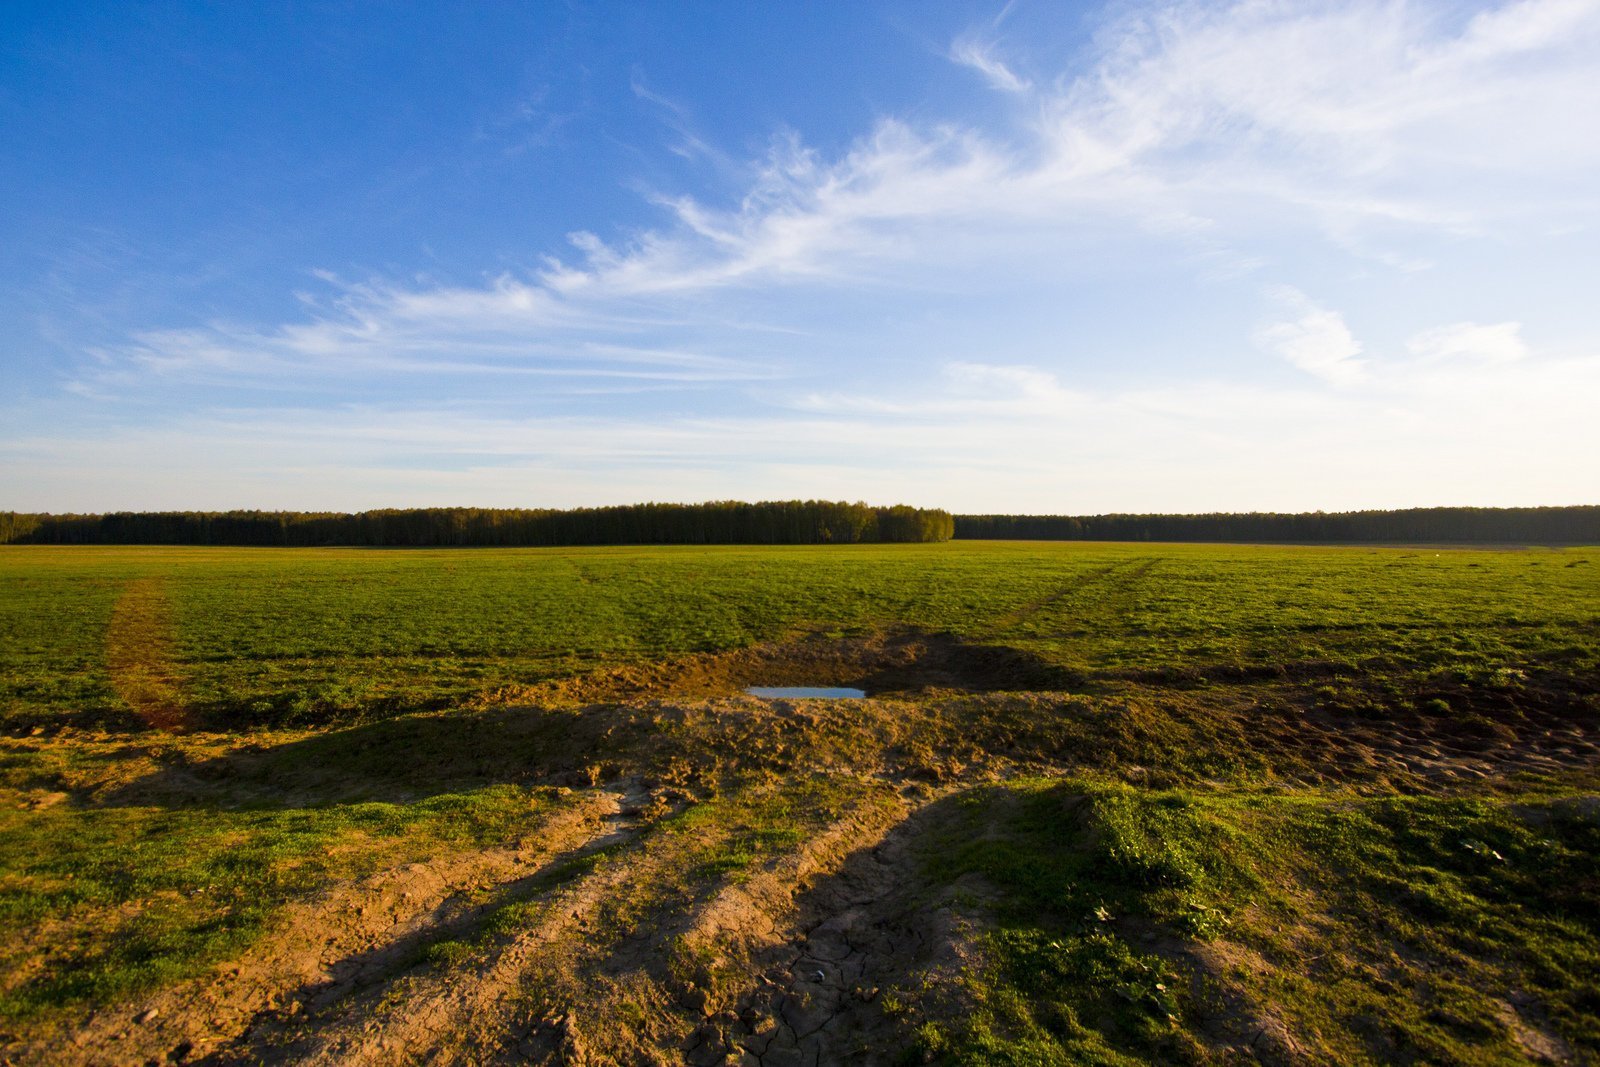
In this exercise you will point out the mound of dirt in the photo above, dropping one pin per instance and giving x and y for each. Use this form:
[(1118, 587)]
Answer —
[(894, 663)]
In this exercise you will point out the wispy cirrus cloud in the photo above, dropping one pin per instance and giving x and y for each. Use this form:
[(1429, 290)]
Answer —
[(1369, 131), (983, 57), (1191, 119)]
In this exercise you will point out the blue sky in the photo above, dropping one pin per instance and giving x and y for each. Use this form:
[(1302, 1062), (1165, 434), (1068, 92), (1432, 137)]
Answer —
[(1031, 257)]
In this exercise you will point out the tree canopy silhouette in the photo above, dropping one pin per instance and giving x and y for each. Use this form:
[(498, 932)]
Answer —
[(716, 522), (1557, 525)]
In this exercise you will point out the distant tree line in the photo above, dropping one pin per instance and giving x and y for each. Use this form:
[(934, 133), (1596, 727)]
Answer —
[(792, 522), (1567, 525)]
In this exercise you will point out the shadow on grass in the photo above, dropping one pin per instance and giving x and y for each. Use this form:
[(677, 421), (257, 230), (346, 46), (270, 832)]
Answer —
[(647, 719), (396, 760)]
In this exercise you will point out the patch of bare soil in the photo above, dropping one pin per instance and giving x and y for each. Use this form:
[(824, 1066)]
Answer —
[(782, 966), (140, 655), (710, 969), (1532, 1032), (1237, 1022), (405, 1011), (819, 980), (880, 664), (788, 964), (1442, 751), (348, 937)]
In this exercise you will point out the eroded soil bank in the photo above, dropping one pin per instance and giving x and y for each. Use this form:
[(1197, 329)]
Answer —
[(902, 662)]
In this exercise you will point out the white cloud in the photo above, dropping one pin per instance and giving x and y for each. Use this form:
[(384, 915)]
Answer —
[(1214, 127), (977, 438), (1499, 343), (1221, 133), (963, 390), (1316, 340), (980, 55)]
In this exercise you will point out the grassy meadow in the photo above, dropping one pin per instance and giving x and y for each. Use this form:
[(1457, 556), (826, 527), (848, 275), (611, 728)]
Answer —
[(1104, 803), (255, 637)]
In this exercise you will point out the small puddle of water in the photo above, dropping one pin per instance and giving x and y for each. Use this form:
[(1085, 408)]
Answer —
[(803, 692)]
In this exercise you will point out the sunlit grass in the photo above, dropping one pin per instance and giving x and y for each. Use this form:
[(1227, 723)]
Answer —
[(284, 636)]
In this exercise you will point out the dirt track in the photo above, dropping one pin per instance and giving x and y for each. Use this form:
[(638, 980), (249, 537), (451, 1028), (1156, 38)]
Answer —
[(141, 658), (621, 960)]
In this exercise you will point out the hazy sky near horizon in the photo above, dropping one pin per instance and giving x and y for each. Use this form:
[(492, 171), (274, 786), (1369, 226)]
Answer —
[(1024, 257)]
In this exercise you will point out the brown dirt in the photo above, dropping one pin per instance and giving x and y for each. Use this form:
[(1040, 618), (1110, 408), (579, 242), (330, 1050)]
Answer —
[(1532, 1032), (784, 966), (404, 1012), (140, 654), (815, 983), (787, 966), (902, 662), (318, 950), (1443, 751)]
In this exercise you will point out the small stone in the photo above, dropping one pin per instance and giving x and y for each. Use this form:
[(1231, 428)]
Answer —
[(146, 1015)]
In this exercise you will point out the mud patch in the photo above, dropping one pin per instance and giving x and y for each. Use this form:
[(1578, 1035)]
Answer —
[(883, 664)]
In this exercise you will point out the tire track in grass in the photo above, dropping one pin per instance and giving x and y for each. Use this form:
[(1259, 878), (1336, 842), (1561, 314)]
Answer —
[(685, 975), (352, 940), (1119, 576), (844, 932), (395, 1005), (588, 973), (141, 655)]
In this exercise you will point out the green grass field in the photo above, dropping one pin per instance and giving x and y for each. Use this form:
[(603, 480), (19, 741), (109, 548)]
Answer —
[(268, 636), (1106, 803)]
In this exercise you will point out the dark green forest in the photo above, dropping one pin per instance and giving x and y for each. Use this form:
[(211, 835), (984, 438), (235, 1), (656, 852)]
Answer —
[(792, 522), (1565, 525)]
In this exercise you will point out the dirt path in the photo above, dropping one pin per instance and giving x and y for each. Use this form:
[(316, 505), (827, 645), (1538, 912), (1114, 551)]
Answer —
[(589, 974), (142, 657), (321, 949), (814, 988), (385, 1009)]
